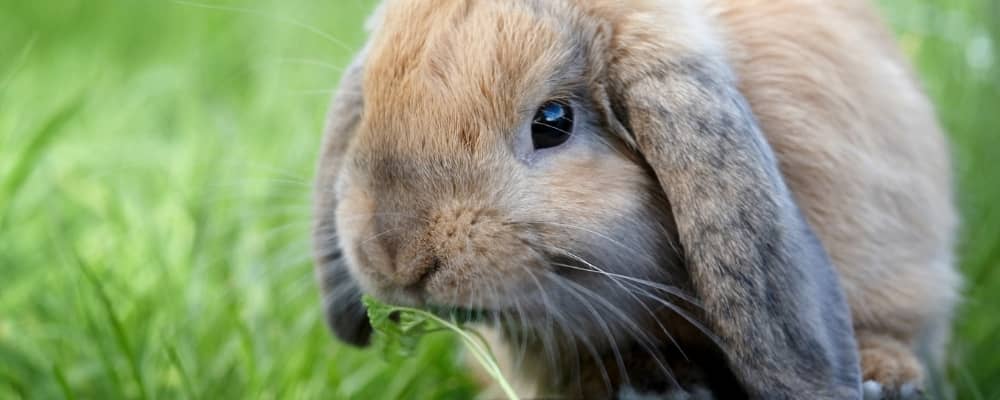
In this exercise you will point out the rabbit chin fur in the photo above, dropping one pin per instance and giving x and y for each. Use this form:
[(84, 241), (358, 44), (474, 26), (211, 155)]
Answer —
[(602, 264)]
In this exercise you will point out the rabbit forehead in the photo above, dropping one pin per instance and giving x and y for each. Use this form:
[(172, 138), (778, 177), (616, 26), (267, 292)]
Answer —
[(447, 74), (444, 75)]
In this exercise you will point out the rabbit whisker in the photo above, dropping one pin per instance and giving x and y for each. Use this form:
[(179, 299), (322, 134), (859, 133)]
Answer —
[(549, 315), (641, 303), (678, 310), (637, 332), (317, 63), (591, 348), (261, 14), (577, 292)]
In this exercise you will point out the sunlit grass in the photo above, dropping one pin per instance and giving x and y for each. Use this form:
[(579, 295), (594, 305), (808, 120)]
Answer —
[(155, 163)]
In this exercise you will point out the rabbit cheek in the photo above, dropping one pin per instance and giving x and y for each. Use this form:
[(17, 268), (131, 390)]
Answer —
[(367, 261)]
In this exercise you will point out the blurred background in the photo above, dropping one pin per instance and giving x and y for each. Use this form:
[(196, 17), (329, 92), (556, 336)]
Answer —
[(155, 167)]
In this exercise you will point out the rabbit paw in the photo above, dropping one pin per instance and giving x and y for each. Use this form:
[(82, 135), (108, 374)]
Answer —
[(696, 393), (876, 391), (889, 369)]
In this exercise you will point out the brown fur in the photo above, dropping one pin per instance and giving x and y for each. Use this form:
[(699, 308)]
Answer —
[(422, 179), (860, 147)]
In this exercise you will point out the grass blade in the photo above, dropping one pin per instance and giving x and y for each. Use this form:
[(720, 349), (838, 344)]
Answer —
[(175, 359), (41, 139), (63, 383), (118, 328)]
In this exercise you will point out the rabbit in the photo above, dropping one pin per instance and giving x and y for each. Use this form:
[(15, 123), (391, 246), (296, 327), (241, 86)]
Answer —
[(642, 198)]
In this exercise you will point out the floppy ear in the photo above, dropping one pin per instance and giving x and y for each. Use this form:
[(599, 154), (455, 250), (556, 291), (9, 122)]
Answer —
[(345, 313), (341, 295), (769, 290)]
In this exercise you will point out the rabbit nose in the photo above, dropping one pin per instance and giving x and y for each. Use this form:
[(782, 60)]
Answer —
[(416, 274)]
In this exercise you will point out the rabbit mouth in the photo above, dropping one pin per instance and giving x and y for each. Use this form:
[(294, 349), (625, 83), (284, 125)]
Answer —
[(464, 314)]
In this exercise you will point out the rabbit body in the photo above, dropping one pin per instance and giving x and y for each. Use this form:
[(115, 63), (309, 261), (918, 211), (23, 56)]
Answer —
[(861, 149), (755, 184)]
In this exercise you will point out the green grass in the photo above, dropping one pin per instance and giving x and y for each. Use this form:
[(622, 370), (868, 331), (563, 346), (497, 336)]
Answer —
[(155, 162)]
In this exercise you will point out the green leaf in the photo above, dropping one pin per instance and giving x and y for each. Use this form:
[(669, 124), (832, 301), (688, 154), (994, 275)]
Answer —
[(398, 331)]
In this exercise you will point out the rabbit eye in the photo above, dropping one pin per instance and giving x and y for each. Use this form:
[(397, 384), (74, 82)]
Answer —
[(552, 126)]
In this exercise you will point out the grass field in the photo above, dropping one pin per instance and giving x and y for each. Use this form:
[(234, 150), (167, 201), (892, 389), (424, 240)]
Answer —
[(155, 163)]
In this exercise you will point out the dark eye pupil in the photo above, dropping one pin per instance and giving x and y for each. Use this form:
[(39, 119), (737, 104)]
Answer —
[(552, 126)]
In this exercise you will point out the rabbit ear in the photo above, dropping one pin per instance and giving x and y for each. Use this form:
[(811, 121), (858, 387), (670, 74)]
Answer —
[(769, 291), (342, 304), (345, 313)]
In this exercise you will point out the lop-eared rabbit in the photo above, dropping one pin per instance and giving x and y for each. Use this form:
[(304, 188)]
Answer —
[(641, 198)]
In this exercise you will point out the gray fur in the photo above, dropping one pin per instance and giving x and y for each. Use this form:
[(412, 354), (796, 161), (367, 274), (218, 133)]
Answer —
[(769, 289), (698, 393), (341, 296)]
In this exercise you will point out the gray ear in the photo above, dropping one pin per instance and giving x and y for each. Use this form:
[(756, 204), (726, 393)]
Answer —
[(342, 305), (770, 293), (345, 314)]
